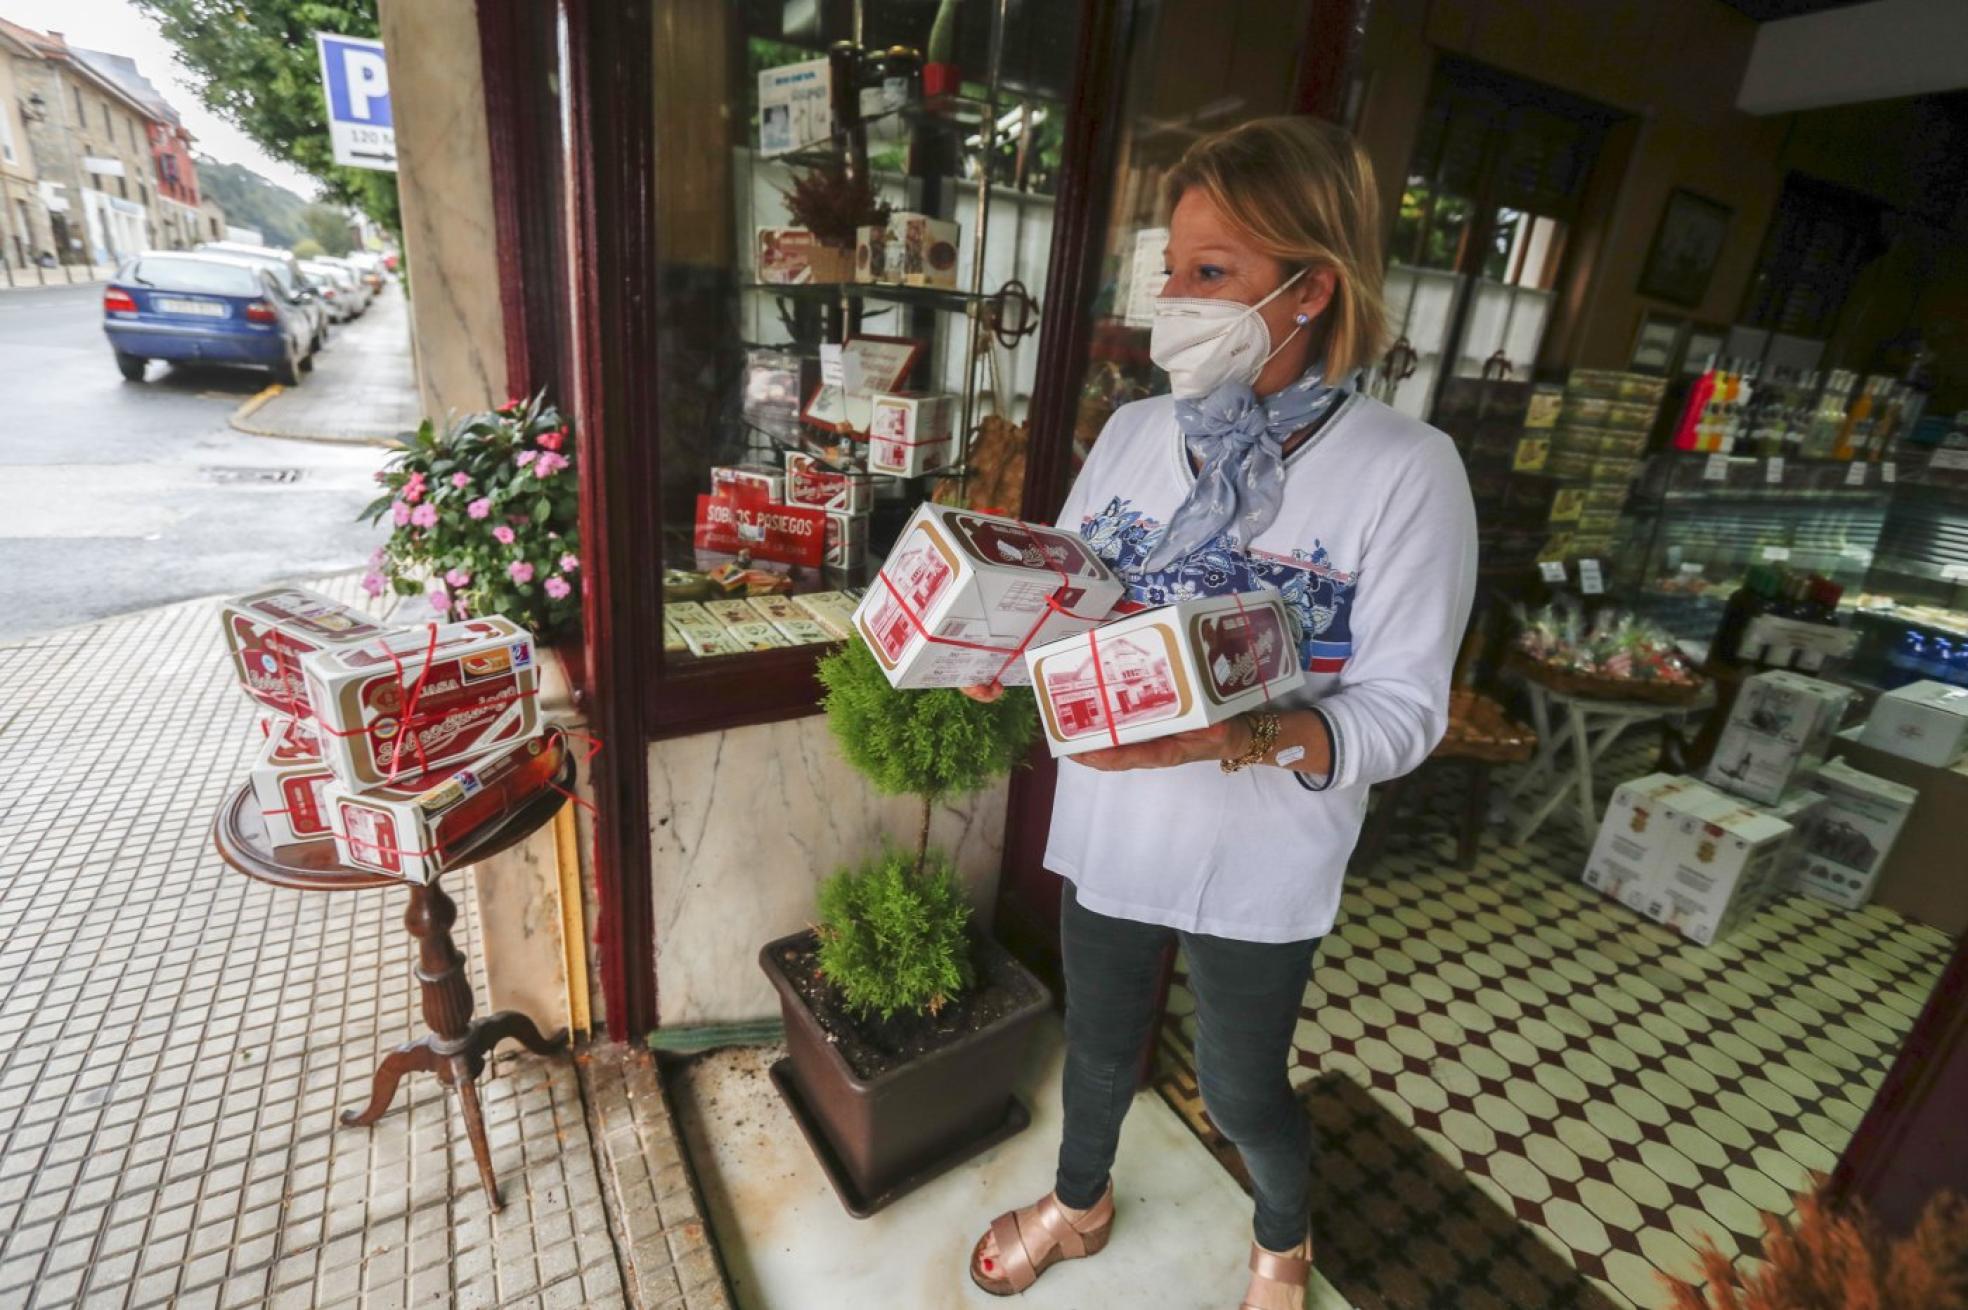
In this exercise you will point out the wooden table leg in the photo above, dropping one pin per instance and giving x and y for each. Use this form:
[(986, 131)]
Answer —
[(456, 1047)]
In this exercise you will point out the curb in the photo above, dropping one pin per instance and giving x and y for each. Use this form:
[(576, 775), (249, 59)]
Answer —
[(254, 403)]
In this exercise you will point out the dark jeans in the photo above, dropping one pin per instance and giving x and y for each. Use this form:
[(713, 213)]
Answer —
[(1247, 1001)]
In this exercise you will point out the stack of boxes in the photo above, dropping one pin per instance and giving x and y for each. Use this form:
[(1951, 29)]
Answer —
[(400, 745), (1703, 856), (1596, 447), (846, 496), (728, 627)]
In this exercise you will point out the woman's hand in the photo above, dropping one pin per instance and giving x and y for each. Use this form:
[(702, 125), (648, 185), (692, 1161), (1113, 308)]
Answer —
[(984, 692), (1219, 741)]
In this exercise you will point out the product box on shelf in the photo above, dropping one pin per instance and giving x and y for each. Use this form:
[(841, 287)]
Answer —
[(795, 106), (288, 777), (964, 595), (1164, 670), (847, 541), (832, 610), (1853, 834), (420, 827), (815, 484), (1924, 721), (911, 434), (1780, 723), (790, 621), (911, 249), (1800, 808), (267, 633), (785, 255), (755, 484), (926, 249), (474, 686), (1633, 835), (1718, 871)]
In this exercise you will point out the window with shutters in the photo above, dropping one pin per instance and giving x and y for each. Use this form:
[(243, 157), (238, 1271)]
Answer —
[(1480, 234)]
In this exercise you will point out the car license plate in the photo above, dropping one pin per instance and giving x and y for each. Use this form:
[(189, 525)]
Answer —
[(174, 305)]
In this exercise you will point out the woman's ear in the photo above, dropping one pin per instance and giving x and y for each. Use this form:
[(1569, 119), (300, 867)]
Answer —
[(1315, 292)]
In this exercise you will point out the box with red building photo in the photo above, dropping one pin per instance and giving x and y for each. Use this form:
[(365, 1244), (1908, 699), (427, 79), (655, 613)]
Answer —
[(289, 778), (422, 825), (963, 595), (423, 698), (1164, 670), (267, 633)]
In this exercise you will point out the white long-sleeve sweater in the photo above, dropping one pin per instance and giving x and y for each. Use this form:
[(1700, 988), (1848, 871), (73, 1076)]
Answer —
[(1375, 550)]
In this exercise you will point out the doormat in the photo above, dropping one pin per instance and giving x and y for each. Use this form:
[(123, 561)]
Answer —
[(1395, 1226)]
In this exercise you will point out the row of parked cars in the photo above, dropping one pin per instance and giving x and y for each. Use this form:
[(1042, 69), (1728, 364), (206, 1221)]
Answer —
[(228, 303)]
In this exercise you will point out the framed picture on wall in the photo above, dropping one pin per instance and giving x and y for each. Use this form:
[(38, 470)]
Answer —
[(1686, 245), (1705, 344)]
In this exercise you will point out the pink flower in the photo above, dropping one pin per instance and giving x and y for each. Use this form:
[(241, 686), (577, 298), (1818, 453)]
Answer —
[(557, 586), (457, 578), (374, 584), (520, 571), (503, 535), (382, 475), (552, 440), (460, 608), (413, 490), (569, 563), (400, 511), (377, 557), (480, 508), (549, 465), (512, 402), (440, 599), (525, 457), (424, 516), (461, 480)]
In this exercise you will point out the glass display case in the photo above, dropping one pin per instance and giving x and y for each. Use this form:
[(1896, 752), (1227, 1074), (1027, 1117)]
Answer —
[(854, 216)]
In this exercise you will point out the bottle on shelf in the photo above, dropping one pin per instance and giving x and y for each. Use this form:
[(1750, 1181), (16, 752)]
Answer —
[(1749, 601)]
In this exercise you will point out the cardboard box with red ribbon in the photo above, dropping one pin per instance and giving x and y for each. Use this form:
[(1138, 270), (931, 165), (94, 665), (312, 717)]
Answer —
[(422, 699), (814, 484), (911, 434), (963, 595), (267, 633), (289, 778), (420, 827), (1164, 670)]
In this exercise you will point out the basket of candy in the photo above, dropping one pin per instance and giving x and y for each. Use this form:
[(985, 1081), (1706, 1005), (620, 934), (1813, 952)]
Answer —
[(1616, 657)]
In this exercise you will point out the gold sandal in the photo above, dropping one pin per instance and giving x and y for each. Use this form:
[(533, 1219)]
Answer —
[(1288, 1271), (1026, 1252)]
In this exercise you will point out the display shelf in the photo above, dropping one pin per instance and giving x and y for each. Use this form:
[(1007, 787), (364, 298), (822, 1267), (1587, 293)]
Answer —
[(955, 302), (931, 112)]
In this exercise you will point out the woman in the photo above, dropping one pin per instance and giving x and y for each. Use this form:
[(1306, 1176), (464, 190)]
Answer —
[(1264, 468)]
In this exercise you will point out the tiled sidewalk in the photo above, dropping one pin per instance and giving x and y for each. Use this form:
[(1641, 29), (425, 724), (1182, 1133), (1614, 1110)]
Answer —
[(175, 1041)]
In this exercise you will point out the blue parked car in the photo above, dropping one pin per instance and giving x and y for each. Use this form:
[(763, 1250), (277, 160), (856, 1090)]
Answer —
[(178, 306)]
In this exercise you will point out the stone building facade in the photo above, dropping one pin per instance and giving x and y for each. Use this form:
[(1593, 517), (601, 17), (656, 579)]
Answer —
[(90, 138), (25, 231)]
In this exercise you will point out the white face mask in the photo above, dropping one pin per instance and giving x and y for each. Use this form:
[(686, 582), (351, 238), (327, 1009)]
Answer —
[(1202, 343)]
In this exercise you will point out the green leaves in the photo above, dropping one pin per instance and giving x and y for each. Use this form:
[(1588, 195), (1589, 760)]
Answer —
[(892, 940), (542, 513), (926, 743)]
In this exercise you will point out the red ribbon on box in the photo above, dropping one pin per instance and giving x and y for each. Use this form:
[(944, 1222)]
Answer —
[(1052, 606)]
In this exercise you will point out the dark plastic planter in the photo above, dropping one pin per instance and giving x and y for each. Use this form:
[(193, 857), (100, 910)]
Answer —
[(896, 1131)]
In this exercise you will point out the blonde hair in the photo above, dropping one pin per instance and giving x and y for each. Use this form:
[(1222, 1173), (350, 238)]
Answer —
[(1302, 191)]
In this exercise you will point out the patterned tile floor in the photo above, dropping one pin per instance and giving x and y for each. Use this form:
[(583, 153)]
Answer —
[(1619, 1089)]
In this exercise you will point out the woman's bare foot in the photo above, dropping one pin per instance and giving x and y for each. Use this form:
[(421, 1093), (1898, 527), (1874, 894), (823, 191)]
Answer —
[(1271, 1294), (989, 1260)]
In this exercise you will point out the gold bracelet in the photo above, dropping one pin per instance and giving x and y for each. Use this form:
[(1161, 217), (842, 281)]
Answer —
[(1264, 735)]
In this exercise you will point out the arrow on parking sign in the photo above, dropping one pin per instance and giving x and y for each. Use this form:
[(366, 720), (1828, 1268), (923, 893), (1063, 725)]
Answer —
[(355, 80)]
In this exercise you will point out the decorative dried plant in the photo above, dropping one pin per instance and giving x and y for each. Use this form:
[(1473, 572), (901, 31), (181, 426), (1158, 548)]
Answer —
[(828, 203), (1833, 1260)]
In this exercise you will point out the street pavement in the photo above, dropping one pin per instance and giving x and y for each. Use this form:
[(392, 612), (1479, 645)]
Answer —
[(116, 496)]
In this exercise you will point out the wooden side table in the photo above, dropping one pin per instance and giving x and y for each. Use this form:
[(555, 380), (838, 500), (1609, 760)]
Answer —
[(457, 1044)]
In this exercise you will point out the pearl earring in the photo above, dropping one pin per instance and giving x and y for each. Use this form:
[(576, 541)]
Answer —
[(1303, 319)]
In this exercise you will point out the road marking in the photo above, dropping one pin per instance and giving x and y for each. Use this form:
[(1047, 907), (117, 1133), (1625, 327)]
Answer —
[(253, 402)]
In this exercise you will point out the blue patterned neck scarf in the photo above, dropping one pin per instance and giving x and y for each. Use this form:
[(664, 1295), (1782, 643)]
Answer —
[(1240, 441)]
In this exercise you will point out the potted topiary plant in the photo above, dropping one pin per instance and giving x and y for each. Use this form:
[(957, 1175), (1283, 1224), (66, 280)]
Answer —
[(904, 1024)]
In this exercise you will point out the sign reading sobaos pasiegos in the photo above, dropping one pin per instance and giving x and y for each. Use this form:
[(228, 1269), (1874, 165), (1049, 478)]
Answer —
[(783, 534), (355, 79)]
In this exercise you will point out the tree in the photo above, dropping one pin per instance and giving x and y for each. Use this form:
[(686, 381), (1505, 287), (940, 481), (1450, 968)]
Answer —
[(307, 248), (329, 228), (261, 73)]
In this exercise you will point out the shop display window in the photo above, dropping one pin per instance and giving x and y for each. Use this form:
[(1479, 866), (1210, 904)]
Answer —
[(853, 215)]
